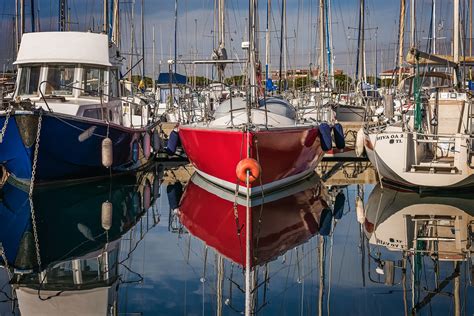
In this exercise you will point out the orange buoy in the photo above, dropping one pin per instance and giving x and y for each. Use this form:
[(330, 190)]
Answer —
[(248, 164)]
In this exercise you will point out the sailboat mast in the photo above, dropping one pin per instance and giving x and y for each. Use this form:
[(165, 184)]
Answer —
[(327, 15), (412, 24), (22, 18), (433, 29), (470, 27), (401, 38), (331, 57), (116, 23), (62, 15), (154, 61), (175, 34), (322, 68), (282, 41), (33, 20), (132, 42), (252, 52), (221, 31), (267, 42), (456, 37), (143, 38), (17, 31), (360, 66), (105, 27)]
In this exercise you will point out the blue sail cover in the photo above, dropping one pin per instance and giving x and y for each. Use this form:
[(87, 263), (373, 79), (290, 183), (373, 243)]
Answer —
[(164, 78)]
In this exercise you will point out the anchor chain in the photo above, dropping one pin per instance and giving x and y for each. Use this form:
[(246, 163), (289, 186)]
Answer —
[(5, 125), (30, 193)]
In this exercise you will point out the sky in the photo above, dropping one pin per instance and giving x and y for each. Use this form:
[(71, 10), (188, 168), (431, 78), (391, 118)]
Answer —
[(196, 24)]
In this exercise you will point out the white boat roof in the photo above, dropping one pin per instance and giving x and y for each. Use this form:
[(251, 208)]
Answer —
[(64, 47)]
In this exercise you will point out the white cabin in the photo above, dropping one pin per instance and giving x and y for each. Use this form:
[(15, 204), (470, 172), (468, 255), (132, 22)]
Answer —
[(73, 73)]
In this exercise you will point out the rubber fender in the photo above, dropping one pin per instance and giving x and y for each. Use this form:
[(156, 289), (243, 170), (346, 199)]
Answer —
[(325, 222), (339, 205), (174, 193), (338, 133), (325, 135), (173, 143)]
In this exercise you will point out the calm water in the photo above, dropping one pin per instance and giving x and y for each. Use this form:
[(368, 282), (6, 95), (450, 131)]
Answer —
[(313, 252)]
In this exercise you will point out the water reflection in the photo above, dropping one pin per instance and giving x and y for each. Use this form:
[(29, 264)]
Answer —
[(176, 245), (432, 235), (66, 259)]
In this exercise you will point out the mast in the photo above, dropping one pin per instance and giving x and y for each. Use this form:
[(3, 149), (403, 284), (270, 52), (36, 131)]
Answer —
[(62, 15), (360, 66), (456, 38), (252, 51), (153, 59), (412, 23), (132, 42), (285, 45), (33, 20), (175, 34), (22, 18), (401, 38), (116, 23), (105, 27), (143, 39), (331, 57), (221, 47), (433, 29), (322, 68), (470, 27), (282, 39), (17, 31), (267, 43)]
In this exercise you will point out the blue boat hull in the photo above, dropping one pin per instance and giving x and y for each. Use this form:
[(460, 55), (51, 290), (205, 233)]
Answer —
[(66, 152)]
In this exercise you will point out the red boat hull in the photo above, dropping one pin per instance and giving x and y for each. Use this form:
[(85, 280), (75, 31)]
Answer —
[(284, 154)]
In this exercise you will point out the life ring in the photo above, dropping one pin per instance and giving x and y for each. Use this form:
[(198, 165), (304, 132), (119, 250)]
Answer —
[(248, 164)]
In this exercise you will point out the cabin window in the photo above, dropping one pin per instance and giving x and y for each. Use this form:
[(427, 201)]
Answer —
[(29, 80), (93, 81), (60, 80)]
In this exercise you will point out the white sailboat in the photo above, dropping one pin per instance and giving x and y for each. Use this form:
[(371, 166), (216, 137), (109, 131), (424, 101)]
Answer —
[(434, 136)]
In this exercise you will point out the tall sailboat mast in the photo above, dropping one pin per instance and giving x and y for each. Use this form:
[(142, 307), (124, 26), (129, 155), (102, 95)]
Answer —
[(433, 29), (360, 66), (17, 30), (221, 46), (401, 38), (322, 41), (329, 42), (116, 23), (267, 44), (22, 18), (282, 43), (143, 39), (456, 38), (252, 50), (105, 27), (132, 42), (33, 20), (62, 15)]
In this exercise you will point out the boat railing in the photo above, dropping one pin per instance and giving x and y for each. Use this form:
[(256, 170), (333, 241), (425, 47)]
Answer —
[(446, 149)]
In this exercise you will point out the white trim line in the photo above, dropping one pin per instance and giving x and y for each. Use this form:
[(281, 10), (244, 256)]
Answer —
[(257, 189)]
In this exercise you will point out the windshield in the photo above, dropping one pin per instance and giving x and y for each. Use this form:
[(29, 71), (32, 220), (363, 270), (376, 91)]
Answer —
[(93, 81), (60, 80), (29, 80)]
